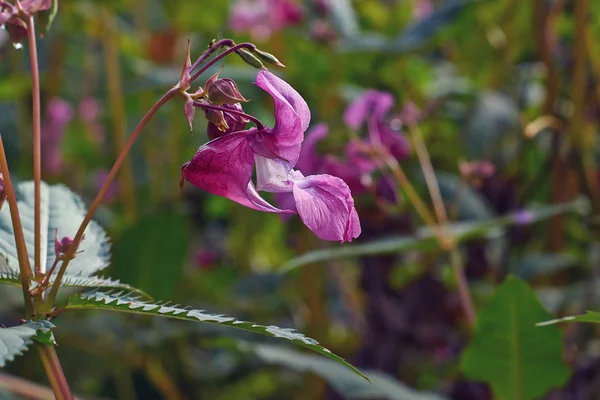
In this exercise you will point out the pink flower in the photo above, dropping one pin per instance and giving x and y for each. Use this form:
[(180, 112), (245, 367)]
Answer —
[(58, 114), (262, 18), (224, 167)]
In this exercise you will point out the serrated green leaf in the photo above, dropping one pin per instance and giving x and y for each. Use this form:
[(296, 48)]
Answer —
[(589, 316), (125, 302), (60, 209), (349, 385), (10, 277), (519, 360), (14, 340), (424, 238)]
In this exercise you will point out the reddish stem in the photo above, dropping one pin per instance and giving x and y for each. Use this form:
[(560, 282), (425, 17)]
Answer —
[(56, 376), (24, 267), (98, 200), (214, 46), (37, 149), (230, 50), (259, 124)]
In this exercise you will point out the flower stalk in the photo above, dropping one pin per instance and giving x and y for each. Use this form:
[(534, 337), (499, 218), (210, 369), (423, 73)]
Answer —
[(24, 266), (100, 196), (37, 146)]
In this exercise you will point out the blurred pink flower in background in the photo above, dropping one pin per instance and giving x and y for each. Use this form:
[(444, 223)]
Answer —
[(422, 9), (262, 18), (89, 112), (58, 114), (99, 178)]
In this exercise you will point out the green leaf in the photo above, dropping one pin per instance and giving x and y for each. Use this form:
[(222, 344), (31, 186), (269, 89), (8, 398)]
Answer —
[(62, 210), (589, 316), (519, 360), (349, 385), (150, 254), (424, 239), (10, 277), (131, 304), (14, 340)]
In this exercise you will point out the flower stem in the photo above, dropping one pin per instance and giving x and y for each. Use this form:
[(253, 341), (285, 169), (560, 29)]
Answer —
[(449, 243), (54, 371), (98, 200), (214, 46), (24, 267), (259, 124), (230, 50), (37, 149)]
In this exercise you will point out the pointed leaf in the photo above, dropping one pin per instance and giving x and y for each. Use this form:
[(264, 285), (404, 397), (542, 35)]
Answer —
[(589, 316), (349, 385), (62, 210), (9, 277), (131, 304), (424, 239), (519, 360), (14, 340)]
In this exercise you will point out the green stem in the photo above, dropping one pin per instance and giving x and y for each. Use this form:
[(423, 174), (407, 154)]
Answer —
[(24, 266), (117, 113), (54, 371), (98, 200)]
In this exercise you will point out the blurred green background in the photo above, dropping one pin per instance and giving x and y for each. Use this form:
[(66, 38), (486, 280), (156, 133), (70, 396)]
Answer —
[(514, 83)]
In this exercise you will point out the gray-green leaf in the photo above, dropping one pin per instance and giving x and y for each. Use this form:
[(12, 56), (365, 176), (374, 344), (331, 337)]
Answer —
[(424, 238), (519, 360), (349, 385), (62, 210), (125, 302), (14, 340)]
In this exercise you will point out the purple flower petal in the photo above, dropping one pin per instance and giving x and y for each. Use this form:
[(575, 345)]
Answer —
[(372, 103), (272, 174), (224, 167), (326, 207), (292, 117), (309, 161)]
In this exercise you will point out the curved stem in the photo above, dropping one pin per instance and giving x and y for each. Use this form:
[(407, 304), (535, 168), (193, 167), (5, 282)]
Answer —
[(230, 50), (259, 124), (98, 200), (214, 46), (54, 371), (24, 267), (37, 149)]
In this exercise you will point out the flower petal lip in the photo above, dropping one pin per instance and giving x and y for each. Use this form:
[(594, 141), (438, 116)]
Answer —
[(292, 116), (223, 167), (326, 207)]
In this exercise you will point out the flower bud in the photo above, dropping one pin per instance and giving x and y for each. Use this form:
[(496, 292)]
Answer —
[(250, 59), (217, 118), (235, 122), (223, 91), (268, 57), (3, 193), (61, 247)]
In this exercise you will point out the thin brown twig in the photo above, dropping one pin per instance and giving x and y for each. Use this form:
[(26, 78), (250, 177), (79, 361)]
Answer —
[(434, 191)]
